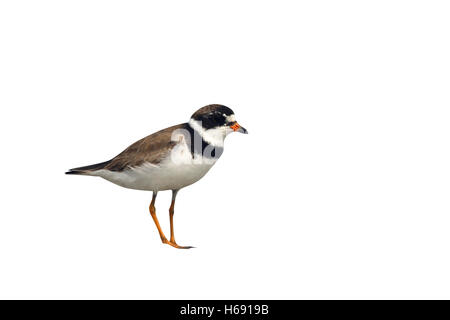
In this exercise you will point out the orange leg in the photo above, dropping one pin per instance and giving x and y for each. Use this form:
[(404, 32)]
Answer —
[(171, 212), (155, 219), (172, 233)]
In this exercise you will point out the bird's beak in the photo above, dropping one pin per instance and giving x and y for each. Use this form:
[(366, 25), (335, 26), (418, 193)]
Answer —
[(237, 127)]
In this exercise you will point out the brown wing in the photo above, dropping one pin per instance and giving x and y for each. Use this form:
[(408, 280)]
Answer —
[(152, 148)]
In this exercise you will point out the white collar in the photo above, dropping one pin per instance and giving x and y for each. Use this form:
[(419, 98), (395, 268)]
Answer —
[(214, 136)]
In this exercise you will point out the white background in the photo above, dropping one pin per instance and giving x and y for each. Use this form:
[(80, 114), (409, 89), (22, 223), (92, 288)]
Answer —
[(341, 189)]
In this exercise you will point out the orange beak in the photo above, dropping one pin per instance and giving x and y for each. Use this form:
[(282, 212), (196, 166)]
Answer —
[(237, 127)]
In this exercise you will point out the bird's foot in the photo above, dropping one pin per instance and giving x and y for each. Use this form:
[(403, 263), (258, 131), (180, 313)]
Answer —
[(175, 245)]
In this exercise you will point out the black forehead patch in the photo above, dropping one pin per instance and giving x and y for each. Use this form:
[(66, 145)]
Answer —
[(212, 110)]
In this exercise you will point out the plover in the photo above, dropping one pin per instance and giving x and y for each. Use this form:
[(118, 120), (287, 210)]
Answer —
[(170, 159)]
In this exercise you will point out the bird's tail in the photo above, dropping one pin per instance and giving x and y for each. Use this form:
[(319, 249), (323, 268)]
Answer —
[(88, 169)]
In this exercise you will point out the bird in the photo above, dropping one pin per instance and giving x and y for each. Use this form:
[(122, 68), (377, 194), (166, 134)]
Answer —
[(170, 159)]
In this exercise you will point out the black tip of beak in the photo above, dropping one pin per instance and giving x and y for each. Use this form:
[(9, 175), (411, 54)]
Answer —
[(243, 130)]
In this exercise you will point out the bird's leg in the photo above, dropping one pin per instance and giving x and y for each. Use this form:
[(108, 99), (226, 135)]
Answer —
[(171, 213), (155, 219)]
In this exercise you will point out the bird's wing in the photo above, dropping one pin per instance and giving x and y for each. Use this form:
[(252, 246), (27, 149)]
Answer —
[(152, 149)]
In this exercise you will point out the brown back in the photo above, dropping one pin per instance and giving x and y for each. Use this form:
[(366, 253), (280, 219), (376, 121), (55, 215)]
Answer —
[(152, 148)]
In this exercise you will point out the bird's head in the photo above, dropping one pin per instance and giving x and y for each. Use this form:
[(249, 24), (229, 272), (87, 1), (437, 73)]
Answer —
[(215, 121)]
